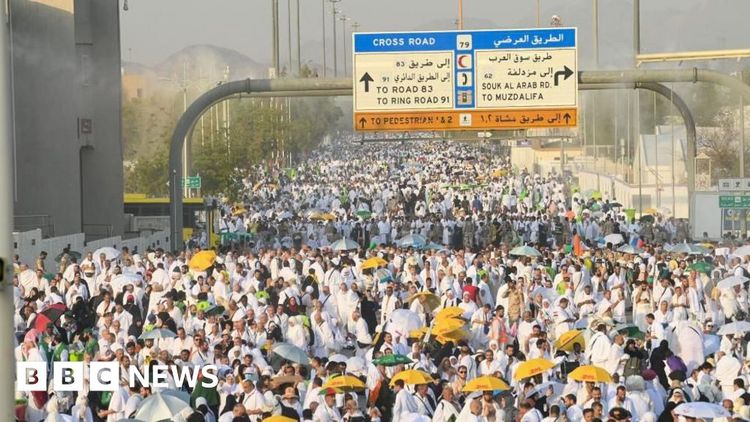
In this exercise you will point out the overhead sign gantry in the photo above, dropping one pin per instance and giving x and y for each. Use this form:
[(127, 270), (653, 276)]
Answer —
[(463, 80)]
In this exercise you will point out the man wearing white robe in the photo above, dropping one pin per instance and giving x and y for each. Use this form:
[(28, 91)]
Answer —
[(404, 402), (598, 347)]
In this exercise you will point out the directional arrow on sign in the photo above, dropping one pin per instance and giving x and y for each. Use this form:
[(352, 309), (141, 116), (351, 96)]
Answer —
[(366, 78), (566, 72), (566, 116), (362, 121)]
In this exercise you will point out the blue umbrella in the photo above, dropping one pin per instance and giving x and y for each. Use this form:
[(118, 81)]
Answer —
[(411, 240), (383, 275)]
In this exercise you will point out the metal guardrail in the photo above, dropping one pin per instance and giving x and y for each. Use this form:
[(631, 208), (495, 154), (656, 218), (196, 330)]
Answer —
[(44, 222)]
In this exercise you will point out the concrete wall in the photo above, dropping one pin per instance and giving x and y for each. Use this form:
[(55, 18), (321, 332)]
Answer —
[(60, 76), (28, 245), (98, 50), (47, 175)]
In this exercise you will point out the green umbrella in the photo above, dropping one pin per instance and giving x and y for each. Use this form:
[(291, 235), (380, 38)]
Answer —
[(72, 254), (215, 310), (391, 360), (630, 330), (701, 267), (364, 214)]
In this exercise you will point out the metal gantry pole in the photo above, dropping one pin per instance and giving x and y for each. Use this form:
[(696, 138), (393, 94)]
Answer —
[(7, 367)]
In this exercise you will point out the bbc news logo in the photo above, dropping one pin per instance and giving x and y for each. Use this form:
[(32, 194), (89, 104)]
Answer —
[(106, 376)]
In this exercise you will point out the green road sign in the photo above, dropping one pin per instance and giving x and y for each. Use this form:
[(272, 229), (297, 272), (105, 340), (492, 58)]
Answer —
[(192, 182), (734, 201)]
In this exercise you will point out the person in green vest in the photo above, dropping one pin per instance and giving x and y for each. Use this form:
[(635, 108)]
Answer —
[(91, 346), (60, 349)]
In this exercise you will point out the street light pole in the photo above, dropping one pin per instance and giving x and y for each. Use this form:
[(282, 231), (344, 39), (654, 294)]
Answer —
[(596, 32), (333, 23), (460, 14), (538, 13), (289, 33), (275, 36), (343, 39), (299, 45), (325, 64)]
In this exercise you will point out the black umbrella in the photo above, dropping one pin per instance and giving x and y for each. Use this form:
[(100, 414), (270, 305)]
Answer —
[(72, 254)]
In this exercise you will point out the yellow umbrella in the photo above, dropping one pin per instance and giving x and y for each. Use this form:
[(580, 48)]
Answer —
[(239, 211), (202, 260), (374, 262), (279, 418), (345, 382), (485, 383), (651, 211), (567, 340), (590, 373), (450, 312), (412, 376), (532, 367), (432, 301), (453, 336), (445, 326), (418, 333), (328, 216)]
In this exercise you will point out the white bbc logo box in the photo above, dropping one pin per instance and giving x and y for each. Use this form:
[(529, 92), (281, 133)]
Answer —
[(67, 376)]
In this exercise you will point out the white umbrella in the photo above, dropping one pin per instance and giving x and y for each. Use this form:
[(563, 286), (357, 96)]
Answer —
[(344, 245), (123, 280), (414, 417), (356, 364), (159, 407), (291, 352), (109, 252), (542, 389), (403, 321), (158, 333), (338, 358), (614, 238), (700, 409), (737, 327), (182, 395), (711, 344), (742, 251), (524, 251), (628, 249), (732, 281)]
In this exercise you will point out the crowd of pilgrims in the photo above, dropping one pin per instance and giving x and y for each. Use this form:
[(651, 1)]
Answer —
[(351, 261)]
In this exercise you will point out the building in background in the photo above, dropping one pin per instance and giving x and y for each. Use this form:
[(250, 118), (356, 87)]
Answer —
[(67, 105)]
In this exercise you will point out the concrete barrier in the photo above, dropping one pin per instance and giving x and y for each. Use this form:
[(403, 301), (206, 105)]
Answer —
[(29, 244)]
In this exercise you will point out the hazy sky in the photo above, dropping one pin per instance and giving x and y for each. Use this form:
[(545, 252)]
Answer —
[(154, 29)]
